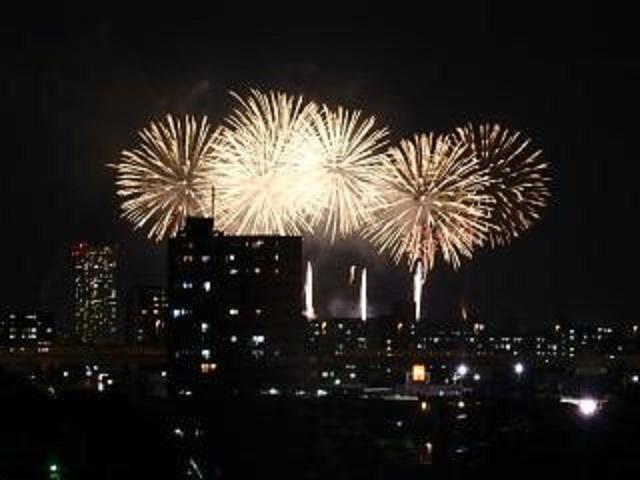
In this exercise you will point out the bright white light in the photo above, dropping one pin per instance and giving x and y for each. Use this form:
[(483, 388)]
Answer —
[(462, 370), (635, 379), (476, 377), (321, 393), (587, 406), (518, 368), (274, 391), (461, 404)]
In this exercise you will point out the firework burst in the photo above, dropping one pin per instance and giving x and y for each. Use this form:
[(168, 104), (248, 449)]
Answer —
[(518, 177), (347, 154), (167, 177), (434, 202), (260, 169)]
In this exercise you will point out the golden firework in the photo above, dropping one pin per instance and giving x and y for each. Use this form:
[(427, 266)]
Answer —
[(167, 176), (261, 165), (343, 170), (518, 177), (435, 202)]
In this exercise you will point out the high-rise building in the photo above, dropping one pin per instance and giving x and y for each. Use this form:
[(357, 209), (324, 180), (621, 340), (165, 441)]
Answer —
[(235, 308), (27, 331), (148, 317), (94, 292)]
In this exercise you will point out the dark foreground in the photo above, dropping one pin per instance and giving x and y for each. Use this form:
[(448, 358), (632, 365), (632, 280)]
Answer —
[(91, 436)]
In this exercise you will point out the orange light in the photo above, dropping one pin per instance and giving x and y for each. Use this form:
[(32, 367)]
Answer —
[(418, 373), (208, 367)]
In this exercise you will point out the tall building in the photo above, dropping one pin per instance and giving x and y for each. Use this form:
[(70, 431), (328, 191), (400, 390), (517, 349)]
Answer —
[(148, 317), (235, 308), (94, 292), (27, 331)]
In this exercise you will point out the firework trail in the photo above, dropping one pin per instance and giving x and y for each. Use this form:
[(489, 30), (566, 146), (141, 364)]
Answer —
[(418, 284), (363, 295), (309, 311)]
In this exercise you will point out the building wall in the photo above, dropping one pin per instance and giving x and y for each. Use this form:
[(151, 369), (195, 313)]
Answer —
[(148, 317), (234, 307), (94, 292), (27, 331)]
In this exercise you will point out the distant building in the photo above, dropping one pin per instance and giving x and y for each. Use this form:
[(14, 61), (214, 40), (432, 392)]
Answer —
[(27, 331), (234, 308), (148, 316), (94, 292)]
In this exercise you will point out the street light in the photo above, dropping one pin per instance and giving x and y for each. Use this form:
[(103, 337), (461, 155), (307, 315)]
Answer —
[(587, 406), (519, 369), (462, 370)]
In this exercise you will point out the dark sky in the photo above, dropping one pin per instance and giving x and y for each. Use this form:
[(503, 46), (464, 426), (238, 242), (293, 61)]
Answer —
[(75, 88)]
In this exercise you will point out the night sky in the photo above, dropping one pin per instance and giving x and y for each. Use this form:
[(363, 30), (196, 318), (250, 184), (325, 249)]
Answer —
[(75, 89)]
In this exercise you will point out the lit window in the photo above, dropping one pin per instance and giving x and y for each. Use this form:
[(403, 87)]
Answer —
[(233, 311), (234, 339), (187, 258), (208, 367), (418, 373), (187, 285), (206, 259), (257, 270), (206, 354), (207, 286), (231, 257), (257, 339), (233, 271), (204, 327)]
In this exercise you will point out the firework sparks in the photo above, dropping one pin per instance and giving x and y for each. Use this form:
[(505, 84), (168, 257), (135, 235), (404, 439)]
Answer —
[(167, 177), (260, 169), (347, 154), (363, 295), (434, 202), (309, 311), (418, 287), (518, 177)]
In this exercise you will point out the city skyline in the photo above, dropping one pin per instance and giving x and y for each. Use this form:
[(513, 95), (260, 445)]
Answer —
[(566, 265)]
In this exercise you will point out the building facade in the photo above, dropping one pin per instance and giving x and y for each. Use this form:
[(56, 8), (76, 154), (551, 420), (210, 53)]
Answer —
[(94, 292), (27, 331), (234, 308), (148, 316)]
